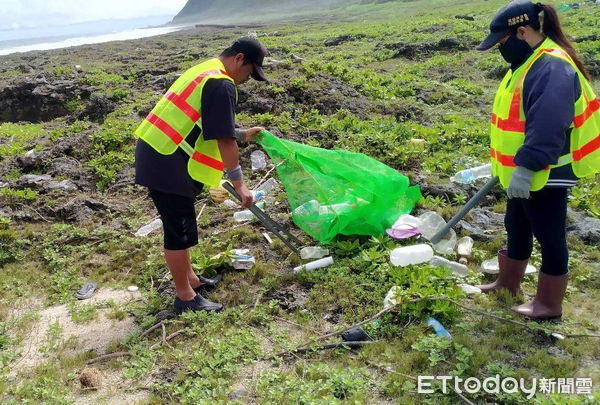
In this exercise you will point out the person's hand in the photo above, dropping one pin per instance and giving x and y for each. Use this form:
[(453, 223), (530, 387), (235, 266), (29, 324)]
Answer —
[(244, 193), (252, 132), (520, 183)]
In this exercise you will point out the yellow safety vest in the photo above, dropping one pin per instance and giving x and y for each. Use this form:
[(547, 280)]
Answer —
[(507, 130), (176, 114)]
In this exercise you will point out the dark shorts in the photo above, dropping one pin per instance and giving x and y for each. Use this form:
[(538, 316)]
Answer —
[(179, 219)]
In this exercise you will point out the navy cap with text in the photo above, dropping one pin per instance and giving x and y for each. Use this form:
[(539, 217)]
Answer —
[(515, 14)]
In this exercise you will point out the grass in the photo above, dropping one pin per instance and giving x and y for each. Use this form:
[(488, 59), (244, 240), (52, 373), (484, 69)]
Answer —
[(363, 95)]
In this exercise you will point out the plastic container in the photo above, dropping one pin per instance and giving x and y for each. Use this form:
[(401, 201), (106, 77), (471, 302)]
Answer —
[(268, 186), (313, 252), (470, 289), (439, 328), (464, 249), (491, 266), (247, 215), (317, 264), (408, 255), (149, 228), (469, 176), (457, 268), (308, 209), (258, 159)]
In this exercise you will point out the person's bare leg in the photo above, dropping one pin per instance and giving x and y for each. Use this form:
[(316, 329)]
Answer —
[(180, 265), (193, 278)]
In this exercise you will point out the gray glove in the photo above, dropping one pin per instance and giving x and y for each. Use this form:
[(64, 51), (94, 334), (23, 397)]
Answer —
[(520, 183)]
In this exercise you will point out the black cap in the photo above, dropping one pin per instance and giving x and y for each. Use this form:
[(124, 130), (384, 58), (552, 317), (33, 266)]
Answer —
[(254, 52), (515, 14)]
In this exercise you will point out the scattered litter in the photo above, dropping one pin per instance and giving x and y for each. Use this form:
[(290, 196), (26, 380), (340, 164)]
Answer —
[(558, 336), (258, 159), (392, 298), (407, 255), (457, 268), (230, 204), (470, 289), (78, 68), (438, 328), (403, 232), (313, 252), (242, 259), (468, 176), (491, 266), (149, 228), (218, 194), (268, 186), (430, 224), (417, 141), (86, 291), (464, 249), (356, 334), (267, 238), (317, 264), (247, 215), (133, 288)]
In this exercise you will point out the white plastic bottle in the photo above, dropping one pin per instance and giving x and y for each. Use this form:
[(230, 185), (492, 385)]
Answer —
[(408, 255), (317, 264), (468, 176), (258, 159), (149, 228), (464, 249), (457, 268)]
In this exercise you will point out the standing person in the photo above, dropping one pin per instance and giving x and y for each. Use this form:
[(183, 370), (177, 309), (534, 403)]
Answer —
[(545, 134), (189, 139)]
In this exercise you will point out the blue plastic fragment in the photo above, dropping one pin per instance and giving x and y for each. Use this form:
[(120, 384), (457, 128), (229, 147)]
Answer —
[(438, 328)]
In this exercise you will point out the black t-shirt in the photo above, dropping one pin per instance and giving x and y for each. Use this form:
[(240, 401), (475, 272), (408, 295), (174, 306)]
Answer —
[(168, 173)]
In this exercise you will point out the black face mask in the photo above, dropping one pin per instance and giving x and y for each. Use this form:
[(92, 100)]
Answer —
[(515, 50)]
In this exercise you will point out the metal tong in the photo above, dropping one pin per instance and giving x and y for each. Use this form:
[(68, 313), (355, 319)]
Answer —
[(286, 237)]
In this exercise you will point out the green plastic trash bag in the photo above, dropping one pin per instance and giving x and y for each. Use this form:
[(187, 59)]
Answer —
[(335, 192)]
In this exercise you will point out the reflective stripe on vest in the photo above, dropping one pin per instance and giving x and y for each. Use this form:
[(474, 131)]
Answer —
[(508, 134), (172, 119)]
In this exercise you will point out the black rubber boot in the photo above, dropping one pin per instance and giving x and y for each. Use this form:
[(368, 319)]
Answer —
[(199, 303), (208, 284)]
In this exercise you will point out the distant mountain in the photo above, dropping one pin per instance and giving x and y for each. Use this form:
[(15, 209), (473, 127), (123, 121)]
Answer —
[(196, 10)]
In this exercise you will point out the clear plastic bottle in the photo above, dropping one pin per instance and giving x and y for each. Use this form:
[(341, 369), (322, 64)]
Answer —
[(464, 249), (308, 209), (258, 159), (468, 176), (149, 228), (268, 186), (313, 252), (457, 268), (247, 215), (408, 255)]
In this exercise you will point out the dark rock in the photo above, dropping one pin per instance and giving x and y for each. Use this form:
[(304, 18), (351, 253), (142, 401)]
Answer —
[(71, 168), (406, 50), (81, 209), (34, 180), (356, 334), (64, 185), (291, 298), (90, 378), (587, 38), (464, 17), (98, 107), (238, 395), (585, 228), (32, 160), (164, 315), (481, 224), (342, 39)]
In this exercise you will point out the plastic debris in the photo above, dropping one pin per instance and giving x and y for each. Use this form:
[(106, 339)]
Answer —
[(149, 228), (133, 288), (430, 223), (464, 249), (86, 291), (468, 176), (457, 268), (258, 159), (439, 328), (242, 259), (267, 238), (356, 334), (491, 266), (313, 252), (470, 289), (317, 264), (392, 299), (230, 204), (558, 336), (407, 255), (247, 215), (268, 186)]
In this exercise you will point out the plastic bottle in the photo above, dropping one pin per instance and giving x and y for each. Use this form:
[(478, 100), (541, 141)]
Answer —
[(313, 252), (317, 264), (468, 176), (258, 159), (247, 215), (438, 328), (457, 268), (407, 255), (149, 228), (308, 209), (268, 186), (258, 194), (464, 249)]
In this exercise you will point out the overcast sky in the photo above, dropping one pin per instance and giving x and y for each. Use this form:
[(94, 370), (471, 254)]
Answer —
[(36, 13)]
